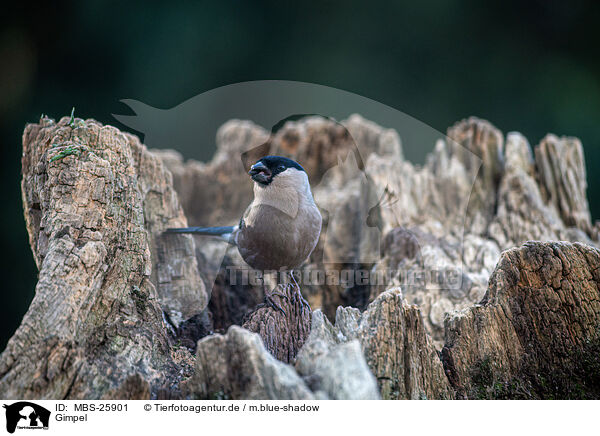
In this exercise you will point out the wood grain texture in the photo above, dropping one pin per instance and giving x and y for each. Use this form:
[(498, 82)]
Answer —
[(96, 322)]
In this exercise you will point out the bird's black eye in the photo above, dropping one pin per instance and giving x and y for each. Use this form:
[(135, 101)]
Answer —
[(281, 168)]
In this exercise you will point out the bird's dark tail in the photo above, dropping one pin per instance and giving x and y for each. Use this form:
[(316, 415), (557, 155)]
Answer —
[(211, 231)]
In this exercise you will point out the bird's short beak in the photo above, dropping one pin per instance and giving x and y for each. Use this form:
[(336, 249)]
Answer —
[(260, 173)]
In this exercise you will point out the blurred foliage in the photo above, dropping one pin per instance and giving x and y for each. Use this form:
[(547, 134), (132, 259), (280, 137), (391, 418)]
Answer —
[(531, 67)]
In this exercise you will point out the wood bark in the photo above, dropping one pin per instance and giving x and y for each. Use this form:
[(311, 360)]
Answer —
[(285, 327), (94, 203), (536, 334), (122, 310)]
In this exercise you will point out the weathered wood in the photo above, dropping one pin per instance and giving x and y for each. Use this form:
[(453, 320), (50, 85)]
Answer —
[(398, 351), (94, 201), (536, 333), (237, 366), (119, 307), (282, 333)]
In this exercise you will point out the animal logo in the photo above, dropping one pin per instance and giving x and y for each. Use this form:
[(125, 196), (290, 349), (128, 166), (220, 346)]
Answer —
[(26, 415)]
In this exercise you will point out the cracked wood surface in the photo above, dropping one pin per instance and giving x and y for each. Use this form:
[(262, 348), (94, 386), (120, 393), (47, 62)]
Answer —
[(96, 321), (119, 307), (541, 311)]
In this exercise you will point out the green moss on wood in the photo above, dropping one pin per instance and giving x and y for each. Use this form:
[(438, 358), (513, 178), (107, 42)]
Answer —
[(71, 150)]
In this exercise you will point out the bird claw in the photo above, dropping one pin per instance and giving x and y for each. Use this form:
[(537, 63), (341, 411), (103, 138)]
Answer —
[(294, 296), (303, 301), (298, 298), (278, 293), (273, 304)]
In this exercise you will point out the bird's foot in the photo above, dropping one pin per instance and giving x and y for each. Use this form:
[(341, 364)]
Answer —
[(298, 298), (278, 293), (270, 302), (304, 303), (273, 304)]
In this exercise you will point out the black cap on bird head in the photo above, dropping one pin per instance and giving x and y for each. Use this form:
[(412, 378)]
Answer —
[(268, 167)]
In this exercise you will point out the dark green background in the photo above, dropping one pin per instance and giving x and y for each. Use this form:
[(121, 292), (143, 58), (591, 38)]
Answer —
[(532, 67)]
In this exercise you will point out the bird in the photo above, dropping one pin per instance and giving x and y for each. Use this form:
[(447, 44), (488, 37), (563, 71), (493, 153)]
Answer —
[(281, 226)]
